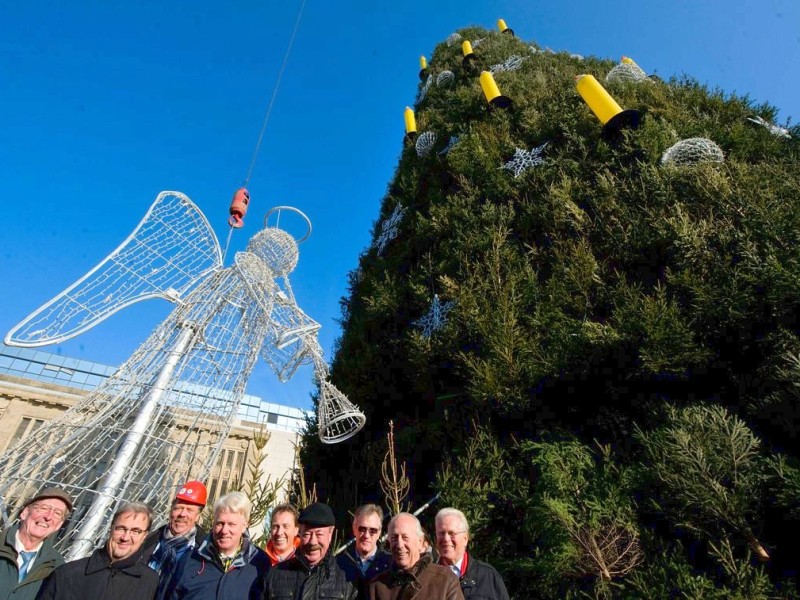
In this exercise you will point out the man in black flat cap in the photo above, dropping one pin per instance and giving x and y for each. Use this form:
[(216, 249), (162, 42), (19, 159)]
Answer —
[(312, 572), (27, 555)]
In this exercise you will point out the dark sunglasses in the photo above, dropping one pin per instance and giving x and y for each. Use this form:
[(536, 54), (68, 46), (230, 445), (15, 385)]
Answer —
[(371, 530)]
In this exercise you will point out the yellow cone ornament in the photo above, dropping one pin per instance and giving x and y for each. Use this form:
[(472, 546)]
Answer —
[(411, 124), (469, 54), (501, 25), (423, 68), (605, 107), (492, 92)]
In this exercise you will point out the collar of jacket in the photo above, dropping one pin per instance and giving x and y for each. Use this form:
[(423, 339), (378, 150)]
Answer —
[(299, 563), (9, 551), (401, 577), (100, 560), (273, 556), (209, 551)]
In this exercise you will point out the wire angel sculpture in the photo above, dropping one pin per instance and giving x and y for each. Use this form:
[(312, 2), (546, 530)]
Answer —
[(163, 416)]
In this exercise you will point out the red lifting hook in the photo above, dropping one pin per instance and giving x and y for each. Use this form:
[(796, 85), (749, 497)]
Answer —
[(241, 198)]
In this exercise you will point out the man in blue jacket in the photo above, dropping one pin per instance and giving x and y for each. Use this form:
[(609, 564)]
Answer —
[(226, 566), (27, 555)]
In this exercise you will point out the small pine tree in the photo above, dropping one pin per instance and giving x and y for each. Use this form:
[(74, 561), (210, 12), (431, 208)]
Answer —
[(707, 464)]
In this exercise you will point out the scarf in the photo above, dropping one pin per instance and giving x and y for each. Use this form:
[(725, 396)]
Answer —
[(170, 548)]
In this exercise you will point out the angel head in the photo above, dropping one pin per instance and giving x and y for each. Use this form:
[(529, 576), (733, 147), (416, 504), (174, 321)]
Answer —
[(277, 248)]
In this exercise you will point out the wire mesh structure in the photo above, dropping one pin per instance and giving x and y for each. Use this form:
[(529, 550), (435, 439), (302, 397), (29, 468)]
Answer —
[(692, 151), (626, 73), (163, 416), (425, 143), (453, 39), (445, 79)]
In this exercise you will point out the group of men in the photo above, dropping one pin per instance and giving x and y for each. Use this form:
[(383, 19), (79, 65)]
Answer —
[(180, 561)]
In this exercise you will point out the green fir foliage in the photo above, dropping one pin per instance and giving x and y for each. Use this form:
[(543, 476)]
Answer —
[(590, 292)]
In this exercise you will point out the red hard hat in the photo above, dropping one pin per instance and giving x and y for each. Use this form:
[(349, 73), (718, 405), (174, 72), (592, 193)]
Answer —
[(193, 492)]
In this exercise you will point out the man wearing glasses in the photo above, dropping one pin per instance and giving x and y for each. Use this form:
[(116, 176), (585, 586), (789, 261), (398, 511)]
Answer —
[(27, 555), (114, 572), (365, 560), (312, 573), (477, 578)]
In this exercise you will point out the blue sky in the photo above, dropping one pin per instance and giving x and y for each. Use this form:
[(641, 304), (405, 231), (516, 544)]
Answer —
[(106, 103)]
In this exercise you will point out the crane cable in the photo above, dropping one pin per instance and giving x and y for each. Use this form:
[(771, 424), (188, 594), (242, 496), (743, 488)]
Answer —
[(267, 115), (274, 94)]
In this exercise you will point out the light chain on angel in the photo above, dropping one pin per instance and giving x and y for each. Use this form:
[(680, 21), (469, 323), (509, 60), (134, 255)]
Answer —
[(164, 415), (525, 159), (435, 318), (389, 228)]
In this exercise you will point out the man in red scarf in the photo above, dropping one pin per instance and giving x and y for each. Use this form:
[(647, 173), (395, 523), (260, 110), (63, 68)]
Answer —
[(477, 578), (283, 540)]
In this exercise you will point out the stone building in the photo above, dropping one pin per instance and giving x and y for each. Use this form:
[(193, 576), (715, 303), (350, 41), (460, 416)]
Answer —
[(37, 386)]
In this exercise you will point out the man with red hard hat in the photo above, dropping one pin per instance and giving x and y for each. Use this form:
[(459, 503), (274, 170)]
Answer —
[(166, 545)]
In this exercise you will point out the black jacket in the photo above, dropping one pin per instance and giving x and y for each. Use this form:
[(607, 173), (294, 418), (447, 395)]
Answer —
[(97, 578), (294, 579), (481, 581)]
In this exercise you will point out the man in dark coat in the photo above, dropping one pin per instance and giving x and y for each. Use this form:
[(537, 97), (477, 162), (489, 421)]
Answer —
[(312, 573), (27, 555), (412, 575), (364, 560), (165, 546), (226, 566), (477, 578), (114, 572)]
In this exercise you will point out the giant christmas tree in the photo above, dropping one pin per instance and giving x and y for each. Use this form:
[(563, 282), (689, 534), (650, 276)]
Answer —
[(586, 335)]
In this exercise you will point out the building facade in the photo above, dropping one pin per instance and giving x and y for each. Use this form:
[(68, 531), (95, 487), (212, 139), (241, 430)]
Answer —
[(37, 386)]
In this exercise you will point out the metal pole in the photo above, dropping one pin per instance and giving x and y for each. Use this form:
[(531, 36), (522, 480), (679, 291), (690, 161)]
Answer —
[(84, 539)]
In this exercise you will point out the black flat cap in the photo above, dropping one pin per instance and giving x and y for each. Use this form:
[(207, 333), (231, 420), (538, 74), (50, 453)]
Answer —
[(52, 492), (317, 515)]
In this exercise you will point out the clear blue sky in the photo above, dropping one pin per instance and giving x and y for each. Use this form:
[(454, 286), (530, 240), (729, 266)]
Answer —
[(104, 103)]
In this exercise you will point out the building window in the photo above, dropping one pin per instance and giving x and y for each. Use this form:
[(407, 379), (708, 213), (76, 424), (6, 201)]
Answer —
[(26, 427)]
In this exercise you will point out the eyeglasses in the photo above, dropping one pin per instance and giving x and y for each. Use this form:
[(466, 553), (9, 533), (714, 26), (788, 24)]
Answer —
[(371, 530), (46, 508), (448, 534), (134, 531)]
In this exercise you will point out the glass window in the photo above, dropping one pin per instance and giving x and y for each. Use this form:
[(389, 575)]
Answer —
[(22, 429)]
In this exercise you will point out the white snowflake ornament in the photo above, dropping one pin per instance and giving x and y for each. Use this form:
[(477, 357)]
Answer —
[(389, 228), (435, 318), (525, 159)]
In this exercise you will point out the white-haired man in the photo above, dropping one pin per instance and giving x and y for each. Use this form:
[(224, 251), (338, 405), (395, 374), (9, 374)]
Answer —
[(477, 578), (226, 565), (412, 573)]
